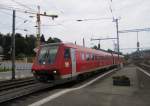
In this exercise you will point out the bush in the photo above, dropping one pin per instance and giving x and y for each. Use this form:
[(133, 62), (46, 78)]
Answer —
[(21, 56), (30, 59), (4, 69)]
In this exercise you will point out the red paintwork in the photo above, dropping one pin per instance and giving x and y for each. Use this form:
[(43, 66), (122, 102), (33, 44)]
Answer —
[(104, 59)]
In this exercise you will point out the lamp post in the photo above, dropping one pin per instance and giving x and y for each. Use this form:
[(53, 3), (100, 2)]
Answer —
[(118, 46)]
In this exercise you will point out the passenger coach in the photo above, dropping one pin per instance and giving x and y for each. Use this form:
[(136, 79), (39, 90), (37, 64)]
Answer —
[(61, 61)]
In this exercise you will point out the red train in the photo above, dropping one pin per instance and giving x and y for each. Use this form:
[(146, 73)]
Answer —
[(66, 61)]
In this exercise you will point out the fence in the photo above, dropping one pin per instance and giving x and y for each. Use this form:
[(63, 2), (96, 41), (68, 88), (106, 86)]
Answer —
[(19, 66)]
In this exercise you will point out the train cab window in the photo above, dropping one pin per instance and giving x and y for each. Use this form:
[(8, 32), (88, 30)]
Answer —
[(101, 57), (96, 58), (52, 54), (92, 56), (43, 55), (67, 54), (87, 57), (82, 56)]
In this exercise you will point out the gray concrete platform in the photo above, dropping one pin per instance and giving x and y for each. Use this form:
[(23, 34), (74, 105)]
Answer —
[(103, 93)]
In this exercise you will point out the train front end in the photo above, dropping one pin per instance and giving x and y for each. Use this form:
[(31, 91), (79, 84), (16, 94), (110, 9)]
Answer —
[(46, 65)]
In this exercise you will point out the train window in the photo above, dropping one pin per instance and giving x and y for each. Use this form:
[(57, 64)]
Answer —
[(92, 56), (67, 54), (96, 57), (52, 54), (99, 57), (87, 56), (43, 55), (82, 56)]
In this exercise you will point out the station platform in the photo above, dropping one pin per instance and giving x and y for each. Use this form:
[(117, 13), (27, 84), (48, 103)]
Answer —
[(18, 74), (104, 93)]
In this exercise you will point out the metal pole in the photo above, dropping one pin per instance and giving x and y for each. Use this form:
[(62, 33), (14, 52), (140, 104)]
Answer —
[(116, 20), (13, 45), (138, 44), (83, 43), (99, 45), (75, 42), (38, 27)]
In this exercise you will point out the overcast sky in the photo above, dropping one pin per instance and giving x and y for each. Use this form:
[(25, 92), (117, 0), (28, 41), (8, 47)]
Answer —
[(133, 14)]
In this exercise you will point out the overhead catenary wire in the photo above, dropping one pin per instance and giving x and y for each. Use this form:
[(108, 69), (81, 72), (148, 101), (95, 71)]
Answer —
[(23, 5), (54, 6), (11, 15), (134, 48), (9, 8), (48, 25), (21, 23), (134, 30), (110, 9)]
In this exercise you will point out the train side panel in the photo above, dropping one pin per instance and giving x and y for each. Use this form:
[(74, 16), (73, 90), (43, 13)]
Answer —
[(72, 60)]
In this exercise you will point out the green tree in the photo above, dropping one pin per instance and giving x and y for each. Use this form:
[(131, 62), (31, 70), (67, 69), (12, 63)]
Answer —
[(21, 44), (6, 44), (31, 41), (110, 51), (53, 40), (57, 40), (42, 39), (95, 47), (1, 39), (24, 45)]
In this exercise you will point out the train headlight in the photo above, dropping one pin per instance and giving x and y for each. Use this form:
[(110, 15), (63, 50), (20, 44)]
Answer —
[(33, 71), (54, 72)]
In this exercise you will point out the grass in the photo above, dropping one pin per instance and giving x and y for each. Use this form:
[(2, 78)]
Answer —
[(4, 69)]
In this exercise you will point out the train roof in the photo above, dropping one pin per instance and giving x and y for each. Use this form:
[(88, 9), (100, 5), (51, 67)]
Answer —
[(82, 48), (78, 47)]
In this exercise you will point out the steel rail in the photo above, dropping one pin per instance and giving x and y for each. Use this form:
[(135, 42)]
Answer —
[(22, 91), (14, 93), (16, 81), (16, 84)]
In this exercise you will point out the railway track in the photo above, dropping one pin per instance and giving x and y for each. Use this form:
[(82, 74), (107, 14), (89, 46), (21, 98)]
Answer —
[(144, 66), (21, 88), (16, 89), (10, 84)]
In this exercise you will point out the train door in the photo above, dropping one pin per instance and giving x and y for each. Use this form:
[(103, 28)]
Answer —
[(73, 61)]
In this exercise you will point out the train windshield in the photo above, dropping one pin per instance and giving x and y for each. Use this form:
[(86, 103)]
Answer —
[(52, 54), (43, 55), (47, 54)]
